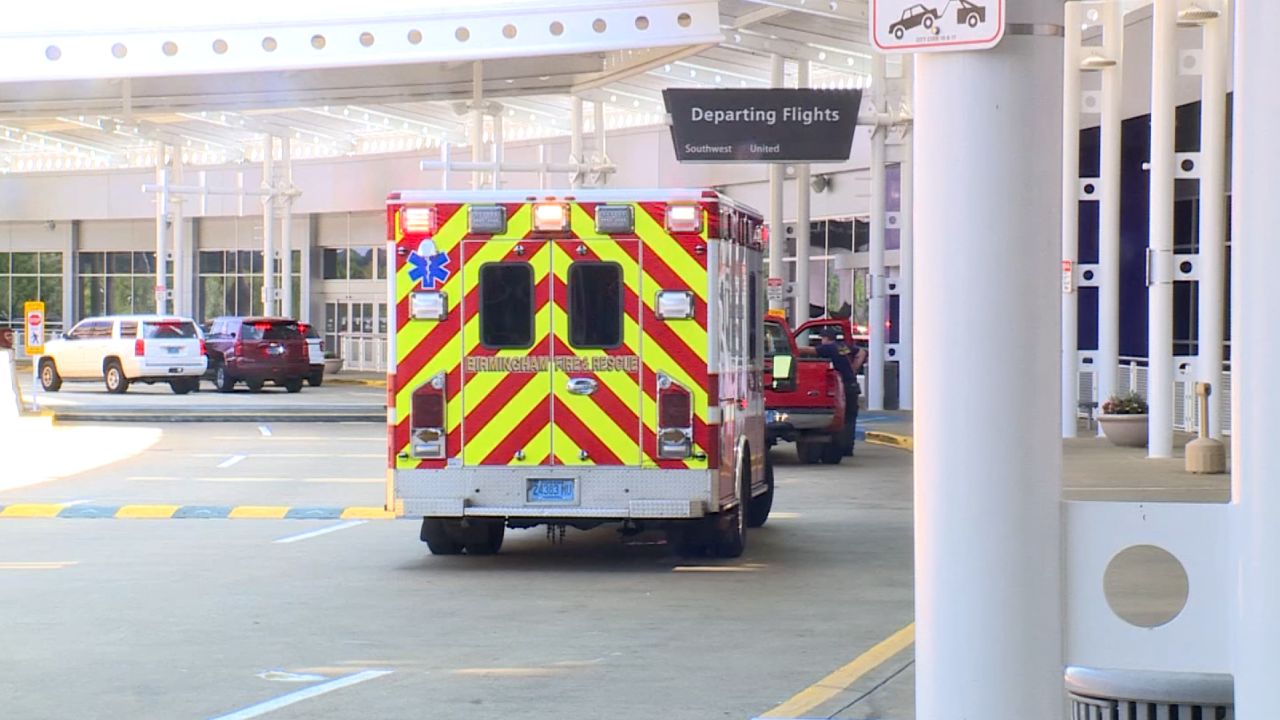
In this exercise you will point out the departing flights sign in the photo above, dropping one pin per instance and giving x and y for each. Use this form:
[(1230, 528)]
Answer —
[(775, 125), (911, 26)]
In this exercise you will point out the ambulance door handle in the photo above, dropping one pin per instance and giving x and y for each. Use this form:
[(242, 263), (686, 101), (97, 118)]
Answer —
[(582, 386)]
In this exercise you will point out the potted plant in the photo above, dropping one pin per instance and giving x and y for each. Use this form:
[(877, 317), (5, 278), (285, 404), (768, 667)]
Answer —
[(1124, 420), (332, 363)]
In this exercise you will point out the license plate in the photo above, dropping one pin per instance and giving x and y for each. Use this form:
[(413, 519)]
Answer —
[(173, 350), (553, 490)]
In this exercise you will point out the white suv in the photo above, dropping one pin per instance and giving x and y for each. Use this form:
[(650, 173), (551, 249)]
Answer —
[(123, 349)]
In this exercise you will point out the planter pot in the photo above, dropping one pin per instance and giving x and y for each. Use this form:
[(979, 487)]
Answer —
[(1125, 430), (332, 365)]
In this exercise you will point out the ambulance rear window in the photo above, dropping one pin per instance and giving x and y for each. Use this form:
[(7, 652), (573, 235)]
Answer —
[(506, 305), (595, 305)]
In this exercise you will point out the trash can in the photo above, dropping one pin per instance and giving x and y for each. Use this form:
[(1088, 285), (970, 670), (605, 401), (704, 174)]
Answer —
[(1124, 694)]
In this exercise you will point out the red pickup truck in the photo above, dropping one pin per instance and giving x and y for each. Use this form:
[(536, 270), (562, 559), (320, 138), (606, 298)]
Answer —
[(805, 403)]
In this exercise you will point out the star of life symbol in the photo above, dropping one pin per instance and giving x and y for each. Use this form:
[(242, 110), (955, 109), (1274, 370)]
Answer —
[(429, 267)]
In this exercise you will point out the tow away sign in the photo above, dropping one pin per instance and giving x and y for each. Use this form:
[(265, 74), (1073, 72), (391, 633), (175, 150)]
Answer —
[(912, 26)]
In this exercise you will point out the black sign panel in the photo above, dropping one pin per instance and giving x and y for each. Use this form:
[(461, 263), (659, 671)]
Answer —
[(776, 125)]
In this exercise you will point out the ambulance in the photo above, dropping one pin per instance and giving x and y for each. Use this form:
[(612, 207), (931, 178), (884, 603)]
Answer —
[(576, 358)]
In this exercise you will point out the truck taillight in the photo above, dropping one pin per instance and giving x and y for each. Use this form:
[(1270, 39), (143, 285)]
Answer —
[(427, 419), (204, 350), (139, 347), (675, 420)]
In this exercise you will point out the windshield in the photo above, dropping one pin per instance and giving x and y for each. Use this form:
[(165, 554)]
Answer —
[(281, 330)]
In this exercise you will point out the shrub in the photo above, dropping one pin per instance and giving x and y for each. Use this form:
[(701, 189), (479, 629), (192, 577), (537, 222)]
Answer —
[(1130, 403)]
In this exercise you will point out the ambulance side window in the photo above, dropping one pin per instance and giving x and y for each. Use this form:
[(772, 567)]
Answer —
[(506, 305), (595, 305)]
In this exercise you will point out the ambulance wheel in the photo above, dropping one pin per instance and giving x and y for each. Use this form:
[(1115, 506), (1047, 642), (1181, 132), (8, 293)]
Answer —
[(730, 534), (484, 538), (809, 453), (760, 505), (114, 378), (50, 380), (435, 533)]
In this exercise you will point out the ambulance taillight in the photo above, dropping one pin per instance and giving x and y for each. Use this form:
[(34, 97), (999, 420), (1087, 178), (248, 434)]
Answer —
[(684, 218), (418, 220), (427, 419), (675, 420)]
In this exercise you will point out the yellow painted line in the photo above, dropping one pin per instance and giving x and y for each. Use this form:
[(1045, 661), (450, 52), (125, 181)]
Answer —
[(904, 442), (268, 512), (147, 512), (32, 510), (38, 565), (840, 680), (749, 567), (367, 513)]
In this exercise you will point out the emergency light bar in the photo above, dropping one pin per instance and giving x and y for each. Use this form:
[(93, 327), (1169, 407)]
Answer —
[(684, 218), (418, 219), (487, 219), (550, 217), (613, 219)]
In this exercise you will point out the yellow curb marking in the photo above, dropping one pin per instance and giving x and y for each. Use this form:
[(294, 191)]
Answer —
[(367, 513), (260, 512), (32, 510), (840, 680), (39, 565)]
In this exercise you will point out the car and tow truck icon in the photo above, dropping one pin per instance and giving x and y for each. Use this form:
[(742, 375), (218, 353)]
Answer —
[(919, 15)]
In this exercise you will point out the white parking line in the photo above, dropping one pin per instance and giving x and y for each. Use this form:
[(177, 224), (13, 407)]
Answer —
[(263, 708), (231, 461), (318, 533), (266, 431)]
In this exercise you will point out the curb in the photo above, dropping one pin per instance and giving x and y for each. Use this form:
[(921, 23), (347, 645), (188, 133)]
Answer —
[(90, 416), (370, 382), (191, 512), (902, 442)]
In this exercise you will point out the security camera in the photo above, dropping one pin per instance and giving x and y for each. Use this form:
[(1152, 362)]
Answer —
[(820, 183)]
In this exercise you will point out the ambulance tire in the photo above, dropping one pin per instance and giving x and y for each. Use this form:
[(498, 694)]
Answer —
[(730, 535), (50, 380), (760, 505), (485, 538), (435, 533)]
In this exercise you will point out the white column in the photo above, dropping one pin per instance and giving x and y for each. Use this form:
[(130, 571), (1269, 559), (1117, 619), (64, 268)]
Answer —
[(600, 136), (988, 472), (477, 121), (777, 181), (268, 225), (1213, 227), (876, 303), (1108, 360), (162, 236), (906, 254), (1255, 344), (181, 306), (802, 218), (575, 140), (1070, 213), (497, 150), (1164, 58), (286, 231)]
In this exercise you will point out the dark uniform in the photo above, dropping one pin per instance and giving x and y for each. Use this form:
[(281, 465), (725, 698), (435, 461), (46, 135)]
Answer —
[(842, 356)]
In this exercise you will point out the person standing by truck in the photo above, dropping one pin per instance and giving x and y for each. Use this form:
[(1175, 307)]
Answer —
[(847, 360)]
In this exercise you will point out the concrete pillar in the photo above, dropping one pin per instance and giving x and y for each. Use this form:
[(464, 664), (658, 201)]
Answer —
[(1255, 337), (1164, 58), (802, 219), (162, 232), (477, 121), (575, 140), (988, 470), (876, 275), (1213, 220), (1070, 214), (181, 286), (777, 181), (1108, 359), (268, 226), (906, 262)]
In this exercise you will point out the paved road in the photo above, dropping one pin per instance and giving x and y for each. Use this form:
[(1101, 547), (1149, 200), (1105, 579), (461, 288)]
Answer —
[(198, 619)]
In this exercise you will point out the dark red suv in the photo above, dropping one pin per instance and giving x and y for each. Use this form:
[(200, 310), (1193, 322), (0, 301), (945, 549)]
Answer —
[(255, 350)]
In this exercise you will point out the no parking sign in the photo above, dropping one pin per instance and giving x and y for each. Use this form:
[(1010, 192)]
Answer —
[(33, 336)]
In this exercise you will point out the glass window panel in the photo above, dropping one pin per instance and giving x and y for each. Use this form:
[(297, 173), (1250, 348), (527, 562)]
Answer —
[(334, 264), (144, 263), (840, 235), (4, 263), (382, 319), (51, 263), (128, 329), (143, 295), (342, 318), (595, 305), (212, 262), (169, 330), (212, 301), (506, 305), (297, 262), (92, 296), (361, 260), (51, 294), (297, 297), (25, 263), (381, 263), (119, 263), (775, 340), (24, 289), (254, 305), (92, 263), (6, 314), (861, 236)]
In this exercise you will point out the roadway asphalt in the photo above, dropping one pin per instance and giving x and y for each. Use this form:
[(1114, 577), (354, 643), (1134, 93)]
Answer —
[(204, 618)]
